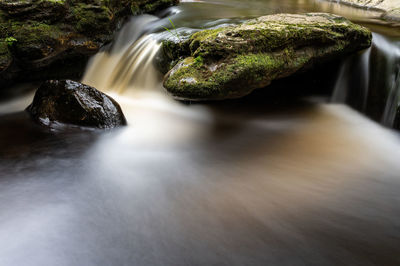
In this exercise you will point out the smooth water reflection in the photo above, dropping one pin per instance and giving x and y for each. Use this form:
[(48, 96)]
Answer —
[(227, 184), (197, 13)]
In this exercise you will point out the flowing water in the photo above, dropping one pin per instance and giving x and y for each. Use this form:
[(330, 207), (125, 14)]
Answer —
[(370, 81), (246, 182)]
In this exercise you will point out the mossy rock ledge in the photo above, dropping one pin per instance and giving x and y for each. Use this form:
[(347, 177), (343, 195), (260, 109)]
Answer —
[(230, 62), (43, 39)]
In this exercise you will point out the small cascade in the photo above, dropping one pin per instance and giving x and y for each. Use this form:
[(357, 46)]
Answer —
[(370, 82), (393, 103), (127, 64), (345, 84)]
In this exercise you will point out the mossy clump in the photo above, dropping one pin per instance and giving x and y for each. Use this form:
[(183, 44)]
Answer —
[(244, 70), (92, 19), (230, 62), (34, 40)]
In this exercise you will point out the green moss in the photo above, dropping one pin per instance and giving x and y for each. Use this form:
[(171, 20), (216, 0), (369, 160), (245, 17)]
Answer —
[(62, 34), (58, 2), (206, 84), (34, 32), (230, 62), (200, 39), (269, 36), (35, 40), (204, 35), (135, 9), (174, 49), (91, 19), (199, 60), (10, 41)]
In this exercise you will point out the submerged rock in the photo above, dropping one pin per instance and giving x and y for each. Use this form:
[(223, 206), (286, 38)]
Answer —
[(70, 102), (54, 38), (230, 62)]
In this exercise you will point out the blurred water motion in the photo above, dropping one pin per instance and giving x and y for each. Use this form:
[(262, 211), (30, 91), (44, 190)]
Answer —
[(370, 81), (248, 182), (199, 185)]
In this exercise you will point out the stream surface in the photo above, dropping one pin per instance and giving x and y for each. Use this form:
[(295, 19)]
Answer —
[(244, 182)]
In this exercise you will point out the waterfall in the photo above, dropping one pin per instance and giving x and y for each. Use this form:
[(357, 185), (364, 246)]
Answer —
[(370, 81), (393, 103), (126, 66), (345, 82)]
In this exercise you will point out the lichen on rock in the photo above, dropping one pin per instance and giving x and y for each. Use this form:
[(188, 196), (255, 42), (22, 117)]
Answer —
[(230, 62)]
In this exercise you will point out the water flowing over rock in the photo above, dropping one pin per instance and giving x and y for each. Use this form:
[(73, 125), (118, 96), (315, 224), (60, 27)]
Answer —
[(390, 8), (70, 102), (370, 81), (230, 62), (53, 39)]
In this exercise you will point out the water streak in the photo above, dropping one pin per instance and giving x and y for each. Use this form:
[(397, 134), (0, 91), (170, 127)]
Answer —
[(127, 65), (369, 81)]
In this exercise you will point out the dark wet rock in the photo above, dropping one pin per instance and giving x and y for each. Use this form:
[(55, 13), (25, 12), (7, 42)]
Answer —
[(230, 62), (5, 57), (53, 39), (70, 102), (396, 123)]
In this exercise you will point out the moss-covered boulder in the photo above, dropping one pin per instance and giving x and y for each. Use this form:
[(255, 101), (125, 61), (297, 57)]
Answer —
[(42, 39), (68, 102), (230, 62)]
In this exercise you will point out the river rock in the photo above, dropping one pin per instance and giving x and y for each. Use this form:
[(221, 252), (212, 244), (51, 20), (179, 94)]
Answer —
[(53, 39), (70, 102), (390, 8), (230, 62)]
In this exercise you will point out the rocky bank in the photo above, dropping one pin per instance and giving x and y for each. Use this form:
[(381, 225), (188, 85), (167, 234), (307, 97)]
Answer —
[(42, 39)]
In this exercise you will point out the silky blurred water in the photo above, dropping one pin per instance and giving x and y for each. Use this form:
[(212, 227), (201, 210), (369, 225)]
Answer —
[(247, 182)]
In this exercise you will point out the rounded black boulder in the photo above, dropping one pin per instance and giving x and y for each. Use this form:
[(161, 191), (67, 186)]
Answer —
[(70, 102)]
